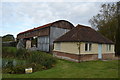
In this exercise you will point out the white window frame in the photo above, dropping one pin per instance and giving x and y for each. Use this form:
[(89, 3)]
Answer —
[(108, 47), (88, 47)]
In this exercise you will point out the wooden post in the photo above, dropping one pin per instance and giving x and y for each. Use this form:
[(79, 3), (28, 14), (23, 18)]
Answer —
[(79, 51)]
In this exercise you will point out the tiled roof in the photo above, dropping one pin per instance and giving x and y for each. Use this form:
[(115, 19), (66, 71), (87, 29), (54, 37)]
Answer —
[(83, 34)]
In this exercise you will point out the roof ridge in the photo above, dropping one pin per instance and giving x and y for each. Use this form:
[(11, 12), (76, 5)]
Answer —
[(80, 26)]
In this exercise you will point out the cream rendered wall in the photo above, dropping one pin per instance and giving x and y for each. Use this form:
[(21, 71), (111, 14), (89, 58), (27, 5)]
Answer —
[(104, 49), (94, 49), (68, 47), (72, 47)]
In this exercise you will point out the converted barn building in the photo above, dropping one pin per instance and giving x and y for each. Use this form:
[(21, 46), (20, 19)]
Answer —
[(83, 43), (45, 35)]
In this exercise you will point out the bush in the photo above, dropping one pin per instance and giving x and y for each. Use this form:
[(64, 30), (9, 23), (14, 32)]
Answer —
[(9, 51), (42, 58), (20, 69), (9, 64), (6, 70), (13, 52), (35, 67), (33, 59), (22, 53)]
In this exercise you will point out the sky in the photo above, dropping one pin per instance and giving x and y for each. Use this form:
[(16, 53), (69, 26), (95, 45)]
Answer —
[(16, 17)]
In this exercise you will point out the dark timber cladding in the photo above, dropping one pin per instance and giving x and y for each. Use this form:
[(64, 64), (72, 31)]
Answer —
[(46, 34)]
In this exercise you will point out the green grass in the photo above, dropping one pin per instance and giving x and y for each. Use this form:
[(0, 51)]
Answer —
[(67, 69)]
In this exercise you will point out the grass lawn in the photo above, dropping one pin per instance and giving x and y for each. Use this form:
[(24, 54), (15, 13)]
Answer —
[(67, 69)]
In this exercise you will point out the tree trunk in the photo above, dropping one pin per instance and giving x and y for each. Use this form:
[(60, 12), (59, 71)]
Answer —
[(117, 45)]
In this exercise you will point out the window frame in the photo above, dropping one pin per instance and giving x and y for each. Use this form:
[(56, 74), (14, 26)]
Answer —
[(88, 47), (108, 47)]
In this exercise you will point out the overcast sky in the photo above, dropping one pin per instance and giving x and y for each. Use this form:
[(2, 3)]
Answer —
[(20, 16)]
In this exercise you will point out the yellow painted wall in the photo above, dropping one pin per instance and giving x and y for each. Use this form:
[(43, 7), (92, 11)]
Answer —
[(94, 49), (68, 47), (72, 47), (104, 49)]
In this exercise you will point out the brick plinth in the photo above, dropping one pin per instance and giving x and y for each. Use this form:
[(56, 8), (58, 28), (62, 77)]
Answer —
[(82, 57)]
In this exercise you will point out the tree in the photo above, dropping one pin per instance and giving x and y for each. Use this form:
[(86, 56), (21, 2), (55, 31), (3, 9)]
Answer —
[(8, 37), (117, 44), (105, 21)]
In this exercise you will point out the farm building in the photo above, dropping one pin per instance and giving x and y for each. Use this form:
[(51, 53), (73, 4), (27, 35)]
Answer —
[(83, 43), (42, 37)]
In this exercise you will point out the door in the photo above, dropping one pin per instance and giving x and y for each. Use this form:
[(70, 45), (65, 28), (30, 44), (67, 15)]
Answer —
[(43, 43), (99, 51), (28, 44)]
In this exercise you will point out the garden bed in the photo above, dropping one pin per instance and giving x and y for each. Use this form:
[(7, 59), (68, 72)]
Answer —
[(68, 69), (18, 60)]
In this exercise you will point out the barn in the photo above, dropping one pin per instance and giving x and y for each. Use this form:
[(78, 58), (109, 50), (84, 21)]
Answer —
[(42, 37), (83, 43)]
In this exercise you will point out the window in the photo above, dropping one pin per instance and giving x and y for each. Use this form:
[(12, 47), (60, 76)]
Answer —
[(58, 46), (88, 46), (108, 47)]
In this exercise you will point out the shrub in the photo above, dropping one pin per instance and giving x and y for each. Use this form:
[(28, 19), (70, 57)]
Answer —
[(18, 69), (9, 51), (9, 67), (15, 69), (42, 58), (9, 64), (22, 53), (6, 70), (35, 67), (35, 59)]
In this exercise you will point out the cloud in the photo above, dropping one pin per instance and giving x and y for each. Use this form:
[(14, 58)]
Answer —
[(59, 0), (20, 16)]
